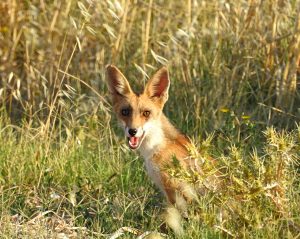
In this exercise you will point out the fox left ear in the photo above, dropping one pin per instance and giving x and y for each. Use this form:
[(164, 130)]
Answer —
[(158, 86), (117, 83)]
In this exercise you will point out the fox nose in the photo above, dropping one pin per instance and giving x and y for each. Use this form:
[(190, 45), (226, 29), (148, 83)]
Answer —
[(132, 132)]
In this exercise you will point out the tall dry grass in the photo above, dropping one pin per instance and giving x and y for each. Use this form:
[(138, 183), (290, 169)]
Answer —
[(243, 55)]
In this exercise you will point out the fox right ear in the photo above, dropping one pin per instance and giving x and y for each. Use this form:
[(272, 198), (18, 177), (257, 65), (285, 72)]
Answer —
[(117, 83), (158, 86)]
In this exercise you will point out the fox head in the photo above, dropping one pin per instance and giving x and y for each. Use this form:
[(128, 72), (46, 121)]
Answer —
[(139, 114)]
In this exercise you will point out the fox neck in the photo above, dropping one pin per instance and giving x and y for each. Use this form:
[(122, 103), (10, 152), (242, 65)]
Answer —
[(158, 134)]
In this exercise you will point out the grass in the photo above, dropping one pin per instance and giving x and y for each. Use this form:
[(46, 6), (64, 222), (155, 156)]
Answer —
[(65, 170), (96, 187)]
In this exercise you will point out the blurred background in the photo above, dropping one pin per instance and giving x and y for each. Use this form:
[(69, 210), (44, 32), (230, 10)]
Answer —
[(239, 56)]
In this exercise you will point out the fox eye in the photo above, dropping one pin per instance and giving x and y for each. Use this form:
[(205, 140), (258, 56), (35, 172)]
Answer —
[(146, 113), (125, 112)]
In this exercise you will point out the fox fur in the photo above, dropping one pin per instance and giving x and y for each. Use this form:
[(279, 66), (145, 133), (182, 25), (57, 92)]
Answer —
[(150, 132)]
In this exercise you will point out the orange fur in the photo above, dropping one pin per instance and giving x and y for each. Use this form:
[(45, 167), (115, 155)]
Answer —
[(158, 140)]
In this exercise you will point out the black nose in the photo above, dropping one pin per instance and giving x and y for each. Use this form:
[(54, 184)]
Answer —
[(132, 132)]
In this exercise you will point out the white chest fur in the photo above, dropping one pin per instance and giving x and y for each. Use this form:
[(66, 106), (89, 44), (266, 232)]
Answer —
[(154, 139), (154, 173)]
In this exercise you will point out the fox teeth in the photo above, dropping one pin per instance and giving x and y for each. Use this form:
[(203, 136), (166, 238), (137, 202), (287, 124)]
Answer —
[(134, 142)]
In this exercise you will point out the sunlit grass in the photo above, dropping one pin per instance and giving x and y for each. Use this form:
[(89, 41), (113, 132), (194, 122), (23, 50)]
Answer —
[(234, 68)]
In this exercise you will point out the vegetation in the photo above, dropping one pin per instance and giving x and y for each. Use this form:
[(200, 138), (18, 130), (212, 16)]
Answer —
[(65, 171)]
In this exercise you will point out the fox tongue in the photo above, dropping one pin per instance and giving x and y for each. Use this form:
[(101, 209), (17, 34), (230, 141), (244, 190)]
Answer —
[(134, 140)]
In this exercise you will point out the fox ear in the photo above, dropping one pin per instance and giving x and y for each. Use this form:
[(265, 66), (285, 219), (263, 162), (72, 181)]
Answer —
[(158, 86), (117, 83)]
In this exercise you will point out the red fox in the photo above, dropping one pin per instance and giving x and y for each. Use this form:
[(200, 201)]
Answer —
[(150, 132), (162, 146)]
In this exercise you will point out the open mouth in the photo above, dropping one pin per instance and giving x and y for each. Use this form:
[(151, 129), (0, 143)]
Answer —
[(135, 142)]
